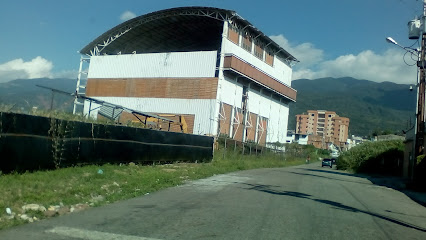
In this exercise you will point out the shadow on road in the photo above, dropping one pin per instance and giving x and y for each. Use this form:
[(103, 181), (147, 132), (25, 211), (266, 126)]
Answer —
[(268, 189), (337, 205), (338, 179), (329, 171), (393, 182)]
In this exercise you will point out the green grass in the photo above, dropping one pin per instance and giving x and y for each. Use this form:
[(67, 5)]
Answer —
[(75, 185)]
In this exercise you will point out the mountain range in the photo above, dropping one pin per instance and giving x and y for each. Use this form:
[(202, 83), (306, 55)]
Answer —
[(371, 106), (23, 94)]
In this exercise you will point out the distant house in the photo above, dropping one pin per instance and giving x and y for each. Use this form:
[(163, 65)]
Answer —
[(293, 137), (389, 137), (353, 141)]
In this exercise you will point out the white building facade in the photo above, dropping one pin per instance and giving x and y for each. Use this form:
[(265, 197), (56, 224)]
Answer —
[(225, 76)]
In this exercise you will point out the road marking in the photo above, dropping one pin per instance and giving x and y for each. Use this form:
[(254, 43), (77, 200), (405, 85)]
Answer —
[(93, 235)]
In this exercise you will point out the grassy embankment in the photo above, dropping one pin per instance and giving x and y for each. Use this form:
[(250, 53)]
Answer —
[(373, 157), (88, 186)]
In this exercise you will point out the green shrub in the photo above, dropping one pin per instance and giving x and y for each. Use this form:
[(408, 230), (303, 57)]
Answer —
[(374, 157), (420, 159)]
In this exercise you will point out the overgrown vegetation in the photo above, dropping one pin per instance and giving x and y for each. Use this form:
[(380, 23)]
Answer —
[(98, 185), (373, 157)]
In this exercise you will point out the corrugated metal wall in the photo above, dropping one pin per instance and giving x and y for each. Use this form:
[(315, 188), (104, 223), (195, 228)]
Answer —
[(184, 88), (251, 130), (225, 119), (230, 92), (275, 114), (154, 65), (203, 109)]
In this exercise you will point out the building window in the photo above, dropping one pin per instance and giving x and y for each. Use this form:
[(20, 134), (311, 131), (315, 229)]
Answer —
[(233, 35), (269, 58), (258, 51), (246, 43)]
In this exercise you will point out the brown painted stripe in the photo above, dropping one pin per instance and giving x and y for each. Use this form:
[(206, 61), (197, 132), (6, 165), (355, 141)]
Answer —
[(250, 71), (182, 88)]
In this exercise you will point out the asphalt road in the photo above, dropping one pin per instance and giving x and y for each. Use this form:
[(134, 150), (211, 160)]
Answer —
[(305, 202)]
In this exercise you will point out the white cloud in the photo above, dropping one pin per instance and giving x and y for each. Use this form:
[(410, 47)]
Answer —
[(18, 68), (127, 15), (387, 66), (71, 74), (306, 53)]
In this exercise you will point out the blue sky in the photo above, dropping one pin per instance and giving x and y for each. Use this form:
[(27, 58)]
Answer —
[(331, 37)]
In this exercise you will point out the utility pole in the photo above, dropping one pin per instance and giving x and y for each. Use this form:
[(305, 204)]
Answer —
[(420, 128), (416, 31)]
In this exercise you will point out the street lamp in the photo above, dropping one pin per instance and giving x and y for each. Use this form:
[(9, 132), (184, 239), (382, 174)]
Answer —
[(410, 50), (390, 40)]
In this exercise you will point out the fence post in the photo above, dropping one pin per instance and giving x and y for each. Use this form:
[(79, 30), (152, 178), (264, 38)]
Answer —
[(243, 148), (224, 150), (257, 149)]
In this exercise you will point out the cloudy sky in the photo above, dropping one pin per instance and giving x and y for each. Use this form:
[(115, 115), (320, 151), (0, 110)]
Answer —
[(331, 38)]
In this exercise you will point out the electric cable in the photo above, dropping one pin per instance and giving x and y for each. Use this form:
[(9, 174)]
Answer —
[(403, 58)]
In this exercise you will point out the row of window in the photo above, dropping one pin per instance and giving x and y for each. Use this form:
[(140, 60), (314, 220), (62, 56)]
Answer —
[(320, 115), (247, 44)]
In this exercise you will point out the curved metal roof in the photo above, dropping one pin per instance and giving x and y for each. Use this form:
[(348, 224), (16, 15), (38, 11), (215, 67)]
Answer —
[(175, 29)]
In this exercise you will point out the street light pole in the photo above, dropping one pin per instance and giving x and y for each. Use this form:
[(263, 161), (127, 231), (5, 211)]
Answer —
[(416, 30), (420, 128)]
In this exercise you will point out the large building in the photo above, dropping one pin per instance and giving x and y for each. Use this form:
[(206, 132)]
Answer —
[(324, 127), (209, 65)]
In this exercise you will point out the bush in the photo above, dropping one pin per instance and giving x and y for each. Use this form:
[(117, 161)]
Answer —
[(374, 157)]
